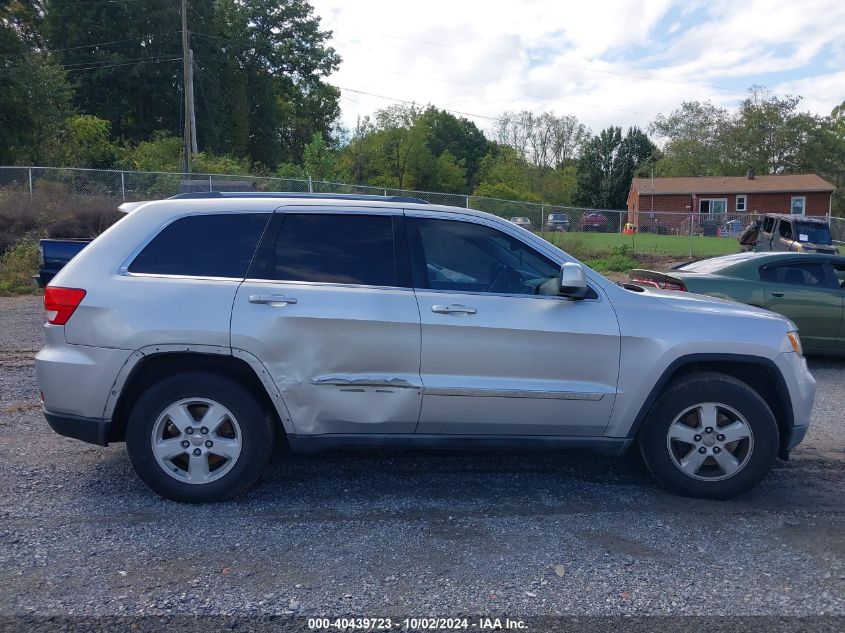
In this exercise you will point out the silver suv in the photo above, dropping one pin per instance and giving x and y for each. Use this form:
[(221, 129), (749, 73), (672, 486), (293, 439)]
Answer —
[(203, 329)]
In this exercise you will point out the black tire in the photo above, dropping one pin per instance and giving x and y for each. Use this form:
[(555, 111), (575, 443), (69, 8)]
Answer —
[(253, 420), (718, 388)]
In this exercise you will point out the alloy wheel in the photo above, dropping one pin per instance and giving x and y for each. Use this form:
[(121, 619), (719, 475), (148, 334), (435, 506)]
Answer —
[(196, 440), (710, 441)]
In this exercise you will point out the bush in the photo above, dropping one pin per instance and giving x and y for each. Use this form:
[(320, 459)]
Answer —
[(17, 266), (613, 263)]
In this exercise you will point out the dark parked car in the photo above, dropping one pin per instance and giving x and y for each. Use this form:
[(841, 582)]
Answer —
[(558, 222), (594, 222)]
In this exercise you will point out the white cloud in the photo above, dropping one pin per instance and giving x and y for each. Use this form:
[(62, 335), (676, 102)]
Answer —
[(591, 59)]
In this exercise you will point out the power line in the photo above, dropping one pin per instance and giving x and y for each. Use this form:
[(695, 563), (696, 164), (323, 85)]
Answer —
[(134, 39), (370, 94), (135, 63), (570, 66), (105, 62), (200, 74)]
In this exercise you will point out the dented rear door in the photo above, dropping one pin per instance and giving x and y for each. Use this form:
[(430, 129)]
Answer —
[(328, 309)]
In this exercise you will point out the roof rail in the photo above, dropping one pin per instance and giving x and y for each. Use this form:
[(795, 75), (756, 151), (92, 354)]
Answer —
[(275, 194)]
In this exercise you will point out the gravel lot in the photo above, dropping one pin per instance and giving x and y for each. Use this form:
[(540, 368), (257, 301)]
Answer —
[(408, 533)]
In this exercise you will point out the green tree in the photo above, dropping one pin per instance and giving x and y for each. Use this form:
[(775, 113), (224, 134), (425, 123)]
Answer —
[(770, 134), (607, 165), (259, 67), (450, 174), (458, 136), (35, 96), (85, 141), (320, 160), (695, 143)]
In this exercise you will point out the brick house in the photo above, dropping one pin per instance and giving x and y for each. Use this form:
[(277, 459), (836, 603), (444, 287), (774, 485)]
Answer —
[(696, 199)]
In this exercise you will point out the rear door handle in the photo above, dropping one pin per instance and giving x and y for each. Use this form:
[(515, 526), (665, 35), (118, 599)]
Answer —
[(777, 294), (281, 300), (454, 308)]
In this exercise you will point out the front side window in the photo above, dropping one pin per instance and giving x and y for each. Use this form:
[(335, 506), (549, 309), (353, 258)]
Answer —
[(768, 225), (467, 257), (331, 248), (785, 230), (214, 245), (811, 275), (797, 205)]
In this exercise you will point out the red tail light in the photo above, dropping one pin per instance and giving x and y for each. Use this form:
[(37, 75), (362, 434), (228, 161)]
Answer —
[(60, 303)]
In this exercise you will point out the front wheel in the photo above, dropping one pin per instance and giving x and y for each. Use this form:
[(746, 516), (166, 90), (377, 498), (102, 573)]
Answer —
[(710, 435), (199, 437)]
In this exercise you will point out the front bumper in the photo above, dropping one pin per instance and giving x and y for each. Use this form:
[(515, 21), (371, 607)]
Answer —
[(802, 393), (91, 430)]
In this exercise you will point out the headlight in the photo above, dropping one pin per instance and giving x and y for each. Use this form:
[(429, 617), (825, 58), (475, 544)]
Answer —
[(795, 342)]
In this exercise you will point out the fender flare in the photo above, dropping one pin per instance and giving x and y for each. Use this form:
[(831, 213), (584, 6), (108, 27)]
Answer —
[(254, 363), (689, 359)]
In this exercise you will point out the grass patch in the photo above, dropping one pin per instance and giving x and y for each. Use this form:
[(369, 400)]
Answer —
[(17, 266), (598, 245), (619, 260)]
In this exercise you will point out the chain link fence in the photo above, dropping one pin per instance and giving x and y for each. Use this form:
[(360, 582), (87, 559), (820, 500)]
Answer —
[(837, 230), (656, 233)]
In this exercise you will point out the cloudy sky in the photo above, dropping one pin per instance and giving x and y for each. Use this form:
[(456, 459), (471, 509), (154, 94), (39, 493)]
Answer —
[(607, 62)]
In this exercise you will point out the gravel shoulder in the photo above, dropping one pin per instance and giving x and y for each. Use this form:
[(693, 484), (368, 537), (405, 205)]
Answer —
[(438, 533)]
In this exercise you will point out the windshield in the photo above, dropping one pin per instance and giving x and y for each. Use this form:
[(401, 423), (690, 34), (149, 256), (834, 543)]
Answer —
[(558, 216), (813, 233)]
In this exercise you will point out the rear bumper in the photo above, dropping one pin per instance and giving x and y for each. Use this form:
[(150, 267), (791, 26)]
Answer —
[(76, 380), (91, 430)]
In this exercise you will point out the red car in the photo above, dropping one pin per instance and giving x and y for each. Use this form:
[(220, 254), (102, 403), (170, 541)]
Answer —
[(594, 222)]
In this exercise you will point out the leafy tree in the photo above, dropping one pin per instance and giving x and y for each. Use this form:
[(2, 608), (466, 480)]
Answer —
[(35, 96), (320, 161), (450, 175), (769, 133), (695, 140), (259, 66), (85, 141), (504, 192), (458, 136), (504, 164), (608, 163)]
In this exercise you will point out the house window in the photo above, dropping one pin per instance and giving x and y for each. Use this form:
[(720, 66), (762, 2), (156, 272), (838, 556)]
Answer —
[(741, 203), (798, 205), (713, 205)]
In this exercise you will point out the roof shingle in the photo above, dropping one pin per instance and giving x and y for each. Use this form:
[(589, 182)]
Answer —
[(784, 183)]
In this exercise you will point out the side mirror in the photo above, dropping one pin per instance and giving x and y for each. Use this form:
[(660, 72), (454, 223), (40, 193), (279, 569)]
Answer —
[(573, 281)]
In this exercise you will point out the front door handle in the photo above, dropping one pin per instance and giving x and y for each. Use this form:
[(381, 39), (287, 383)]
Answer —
[(777, 294), (281, 300), (454, 308)]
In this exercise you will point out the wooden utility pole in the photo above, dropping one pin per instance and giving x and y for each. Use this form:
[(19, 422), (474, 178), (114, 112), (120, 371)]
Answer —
[(187, 89), (191, 97)]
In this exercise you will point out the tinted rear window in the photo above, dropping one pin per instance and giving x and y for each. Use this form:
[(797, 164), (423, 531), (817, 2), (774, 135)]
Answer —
[(332, 248), (217, 245)]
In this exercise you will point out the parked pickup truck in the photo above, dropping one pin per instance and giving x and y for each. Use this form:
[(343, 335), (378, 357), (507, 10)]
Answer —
[(53, 255)]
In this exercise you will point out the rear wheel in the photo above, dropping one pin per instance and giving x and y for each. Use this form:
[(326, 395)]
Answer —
[(710, 435), (199, 437)]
